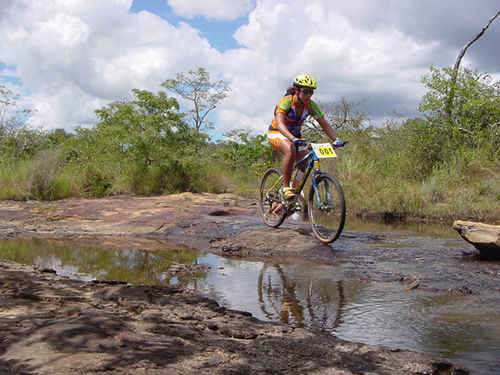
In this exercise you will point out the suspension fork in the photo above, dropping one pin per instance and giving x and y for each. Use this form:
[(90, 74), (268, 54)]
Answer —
[(317, 172)]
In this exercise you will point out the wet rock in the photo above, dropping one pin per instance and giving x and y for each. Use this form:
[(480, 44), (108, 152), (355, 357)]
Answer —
[(220, 213), (266, 242), (157, 329), (48, 270), (484, 237), (386, 216)]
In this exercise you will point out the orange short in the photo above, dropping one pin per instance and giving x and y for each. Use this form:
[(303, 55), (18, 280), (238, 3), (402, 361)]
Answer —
[(275, 137)]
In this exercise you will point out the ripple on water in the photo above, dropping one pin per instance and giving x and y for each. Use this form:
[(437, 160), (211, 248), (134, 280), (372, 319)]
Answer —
[(463, 328)]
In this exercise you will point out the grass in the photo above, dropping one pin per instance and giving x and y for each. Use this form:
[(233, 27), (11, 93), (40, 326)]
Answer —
[(38, 178), (467, 185)]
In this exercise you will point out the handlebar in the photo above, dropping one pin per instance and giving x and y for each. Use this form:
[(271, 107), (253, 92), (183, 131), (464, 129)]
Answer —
[(309, 147)]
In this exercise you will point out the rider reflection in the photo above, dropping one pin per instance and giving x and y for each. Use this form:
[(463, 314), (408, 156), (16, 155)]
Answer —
[(318, 305)]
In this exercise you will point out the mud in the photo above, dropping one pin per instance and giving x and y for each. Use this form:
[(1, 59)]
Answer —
[(53, 325)]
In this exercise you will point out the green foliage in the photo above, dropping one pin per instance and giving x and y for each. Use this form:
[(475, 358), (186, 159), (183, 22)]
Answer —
[(137, 146), (41, 177), (440, 165), (475, 112), (145, 130), (240, 150), (433, 165), (17, 139)]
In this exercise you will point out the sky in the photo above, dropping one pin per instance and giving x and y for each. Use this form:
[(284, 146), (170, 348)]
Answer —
[(67, 58)]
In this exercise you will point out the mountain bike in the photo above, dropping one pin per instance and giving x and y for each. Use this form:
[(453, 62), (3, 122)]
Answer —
[(326, 201)]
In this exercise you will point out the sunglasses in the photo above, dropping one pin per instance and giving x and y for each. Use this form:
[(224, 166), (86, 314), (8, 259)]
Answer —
[(307, 91)]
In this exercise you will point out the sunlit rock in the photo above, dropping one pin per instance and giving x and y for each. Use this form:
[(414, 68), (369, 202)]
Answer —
[(485, 237)]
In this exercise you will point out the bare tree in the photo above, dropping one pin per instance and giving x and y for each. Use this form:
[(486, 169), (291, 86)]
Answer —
[(456, 67), (10, 116), (204, 94), (342, 114)]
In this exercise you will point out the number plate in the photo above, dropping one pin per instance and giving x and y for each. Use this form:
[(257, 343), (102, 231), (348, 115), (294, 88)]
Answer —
[(323, 150)]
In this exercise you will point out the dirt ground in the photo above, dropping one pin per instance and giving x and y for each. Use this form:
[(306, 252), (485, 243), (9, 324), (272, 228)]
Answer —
[(53, 325)]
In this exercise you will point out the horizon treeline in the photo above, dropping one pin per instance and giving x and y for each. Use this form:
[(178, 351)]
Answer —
[(444, 163)]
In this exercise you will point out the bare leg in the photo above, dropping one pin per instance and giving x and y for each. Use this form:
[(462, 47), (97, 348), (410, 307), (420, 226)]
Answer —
[(301, 155), (289, 154)]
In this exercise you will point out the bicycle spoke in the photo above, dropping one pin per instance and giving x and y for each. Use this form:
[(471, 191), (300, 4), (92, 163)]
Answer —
[(272, 210), (327, 208)]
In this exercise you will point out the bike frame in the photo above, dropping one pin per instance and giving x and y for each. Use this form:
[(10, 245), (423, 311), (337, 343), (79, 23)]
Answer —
[(312, 165), (326, 213)]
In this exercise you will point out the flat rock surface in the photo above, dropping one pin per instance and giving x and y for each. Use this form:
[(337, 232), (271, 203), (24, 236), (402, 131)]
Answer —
[(54, 325)]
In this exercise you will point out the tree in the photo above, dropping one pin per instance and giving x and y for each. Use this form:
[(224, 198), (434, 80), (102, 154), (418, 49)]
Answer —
[(241, 150), (340, 115), (147, 129), (142, 145), (475, 113), (16, 138), (10, 116), (204, 95), (451, 96)]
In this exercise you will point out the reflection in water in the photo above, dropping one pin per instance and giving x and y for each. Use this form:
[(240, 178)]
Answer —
[(301, 294), (281, 297), (132, 266), (436, 230)]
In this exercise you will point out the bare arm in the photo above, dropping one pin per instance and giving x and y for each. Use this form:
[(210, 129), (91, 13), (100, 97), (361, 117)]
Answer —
[(330, 132)]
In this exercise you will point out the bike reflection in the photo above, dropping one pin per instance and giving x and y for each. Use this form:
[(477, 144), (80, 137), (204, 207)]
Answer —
[(313, 303)]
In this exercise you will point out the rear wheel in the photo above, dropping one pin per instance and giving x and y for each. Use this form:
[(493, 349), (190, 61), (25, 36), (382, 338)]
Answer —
[(326, 208), (270, 198)]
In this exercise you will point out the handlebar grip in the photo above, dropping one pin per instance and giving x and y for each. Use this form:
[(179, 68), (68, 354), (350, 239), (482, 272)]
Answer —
[(343, 143)]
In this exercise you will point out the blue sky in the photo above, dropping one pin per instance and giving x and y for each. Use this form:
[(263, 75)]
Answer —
[(67, 59), (219, 33), (7, 75)]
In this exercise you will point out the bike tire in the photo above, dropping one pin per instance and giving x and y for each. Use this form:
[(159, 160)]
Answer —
[(270, 195), (326, 216)]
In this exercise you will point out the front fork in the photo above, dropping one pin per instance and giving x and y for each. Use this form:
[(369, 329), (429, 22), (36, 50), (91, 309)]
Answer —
[(326, 205)]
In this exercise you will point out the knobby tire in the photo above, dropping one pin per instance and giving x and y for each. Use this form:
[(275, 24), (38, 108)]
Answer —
[(270, 195), (328, 217)]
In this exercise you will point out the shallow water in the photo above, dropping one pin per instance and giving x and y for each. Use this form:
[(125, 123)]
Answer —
[(461, 327)]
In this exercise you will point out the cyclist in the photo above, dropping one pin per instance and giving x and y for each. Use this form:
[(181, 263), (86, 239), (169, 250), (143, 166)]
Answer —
[(284, 132)]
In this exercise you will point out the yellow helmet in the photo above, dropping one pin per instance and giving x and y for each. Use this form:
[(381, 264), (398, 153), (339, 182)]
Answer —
[(304, 80)]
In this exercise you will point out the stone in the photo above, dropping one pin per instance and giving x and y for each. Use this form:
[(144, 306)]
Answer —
[(484, 237)]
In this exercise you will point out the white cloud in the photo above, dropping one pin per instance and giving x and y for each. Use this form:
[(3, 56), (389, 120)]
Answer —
[(73, 57), (346, 59), (211, 9)]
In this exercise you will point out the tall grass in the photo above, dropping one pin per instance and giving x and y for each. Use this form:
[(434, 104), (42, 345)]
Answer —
[(377, 174), (38, 178), (46, 177), (464, 185)]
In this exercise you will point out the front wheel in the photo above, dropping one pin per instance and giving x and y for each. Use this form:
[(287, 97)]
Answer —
[(326, 208), (272, 208)]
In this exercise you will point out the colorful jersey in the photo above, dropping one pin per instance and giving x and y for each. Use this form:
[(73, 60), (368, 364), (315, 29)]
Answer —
[(287, 105)]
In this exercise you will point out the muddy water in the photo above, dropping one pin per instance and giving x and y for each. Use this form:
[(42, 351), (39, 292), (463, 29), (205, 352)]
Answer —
[(419, 292)]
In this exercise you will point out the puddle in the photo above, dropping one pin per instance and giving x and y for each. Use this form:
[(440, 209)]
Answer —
[(302, 294), (389, 245), (421, 229), (90, 263)]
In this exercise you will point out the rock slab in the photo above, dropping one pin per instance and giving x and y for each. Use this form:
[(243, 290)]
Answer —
[(484, 237)]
